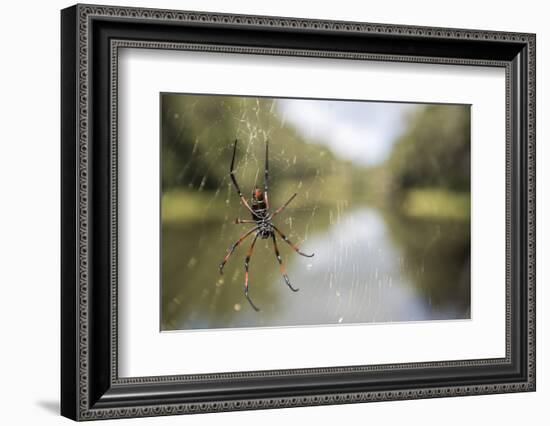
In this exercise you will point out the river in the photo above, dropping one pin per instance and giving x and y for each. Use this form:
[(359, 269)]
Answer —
[(370, 266)]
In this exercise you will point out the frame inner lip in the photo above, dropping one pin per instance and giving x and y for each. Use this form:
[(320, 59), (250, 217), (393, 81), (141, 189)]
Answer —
[(115, 44)]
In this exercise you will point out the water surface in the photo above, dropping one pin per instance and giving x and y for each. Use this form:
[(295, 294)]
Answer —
[(369, 266)]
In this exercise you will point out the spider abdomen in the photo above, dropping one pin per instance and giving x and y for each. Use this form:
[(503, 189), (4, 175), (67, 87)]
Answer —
[(258, 204)]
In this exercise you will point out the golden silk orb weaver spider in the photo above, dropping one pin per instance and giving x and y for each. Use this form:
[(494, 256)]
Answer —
[(263, 226)]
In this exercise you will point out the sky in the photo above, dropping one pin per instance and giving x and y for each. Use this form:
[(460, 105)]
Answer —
[(359, 131)]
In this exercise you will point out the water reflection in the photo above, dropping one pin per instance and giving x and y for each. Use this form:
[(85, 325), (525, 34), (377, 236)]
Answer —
[(369, 266)]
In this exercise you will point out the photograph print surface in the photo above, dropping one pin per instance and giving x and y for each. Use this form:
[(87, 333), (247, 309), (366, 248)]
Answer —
[(293, 212)]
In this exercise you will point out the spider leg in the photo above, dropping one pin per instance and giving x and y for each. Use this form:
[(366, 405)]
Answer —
[(281, 264), (266, 174), (246, 261), (237, 221), (234, 179), (234, 246), (294, 246), (280, 209)]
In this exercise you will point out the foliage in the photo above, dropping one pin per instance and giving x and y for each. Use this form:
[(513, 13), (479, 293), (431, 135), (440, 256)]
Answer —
[(434, 151), (198, 134)]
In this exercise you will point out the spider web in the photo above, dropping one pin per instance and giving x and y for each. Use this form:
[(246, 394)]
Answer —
[(359, 273)]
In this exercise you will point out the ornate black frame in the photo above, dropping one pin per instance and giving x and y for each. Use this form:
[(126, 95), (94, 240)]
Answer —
[(91, 37)]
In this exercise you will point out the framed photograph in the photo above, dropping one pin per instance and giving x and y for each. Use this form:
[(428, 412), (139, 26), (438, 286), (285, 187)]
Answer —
[(263, 212)]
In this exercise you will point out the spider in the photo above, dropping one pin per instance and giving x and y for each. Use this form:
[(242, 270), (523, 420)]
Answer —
[(264, 227)]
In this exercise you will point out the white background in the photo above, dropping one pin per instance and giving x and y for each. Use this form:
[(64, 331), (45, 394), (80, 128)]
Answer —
[(29, 229), (146, 352)]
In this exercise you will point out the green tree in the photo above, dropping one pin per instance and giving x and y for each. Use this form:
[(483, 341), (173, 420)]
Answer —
[(434, 151)]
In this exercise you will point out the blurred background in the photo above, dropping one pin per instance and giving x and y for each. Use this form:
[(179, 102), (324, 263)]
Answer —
[(383, 202)]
